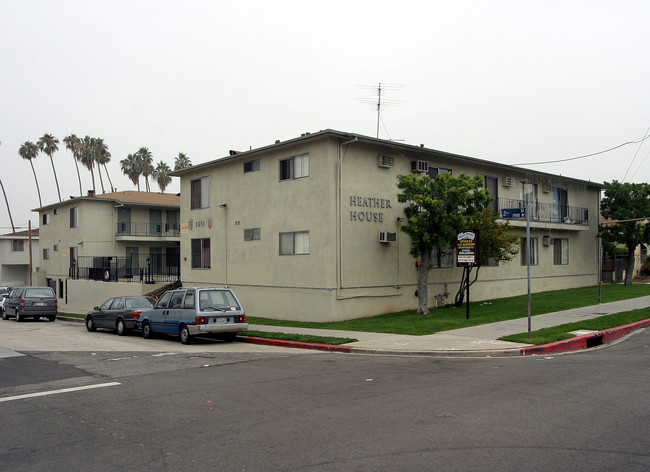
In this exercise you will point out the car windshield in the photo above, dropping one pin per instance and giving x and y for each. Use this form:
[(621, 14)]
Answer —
[(39, 293), (139, 302), (217, 300)]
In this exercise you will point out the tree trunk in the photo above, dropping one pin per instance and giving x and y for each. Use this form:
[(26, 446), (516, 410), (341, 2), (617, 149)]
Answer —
[(56, 179), (629, 270), (109, 178), (76, 163), (13, 228), (38, 189), (423, 278)]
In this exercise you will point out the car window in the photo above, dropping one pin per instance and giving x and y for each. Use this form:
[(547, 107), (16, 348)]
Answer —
[(106, 305), (177, 300), (140, 302), (117, 304), (217, 300), (164, 300), (15, 293), (189, 299), (39, 292)]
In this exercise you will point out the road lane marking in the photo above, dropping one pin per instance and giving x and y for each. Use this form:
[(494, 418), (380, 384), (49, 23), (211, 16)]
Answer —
[(55, 392)]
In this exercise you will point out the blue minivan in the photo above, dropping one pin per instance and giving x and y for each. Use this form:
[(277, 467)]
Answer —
[(187, 312)]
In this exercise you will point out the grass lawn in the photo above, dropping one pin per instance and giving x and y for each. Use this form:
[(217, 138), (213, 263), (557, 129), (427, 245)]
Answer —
[(446, 318)]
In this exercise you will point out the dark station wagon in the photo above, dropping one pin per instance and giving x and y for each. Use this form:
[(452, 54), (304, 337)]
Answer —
[(120, 314), (192, 311), (30, 302)]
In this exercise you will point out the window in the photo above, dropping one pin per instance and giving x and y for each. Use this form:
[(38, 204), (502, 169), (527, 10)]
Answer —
[(56, 248), (177, 300), (560, 204), (56, 211), (294, 243), (46, 253), (442, 258), (200, 193), (491, 184), (533, 252), (46, 218), (17, 245), (201, 253), (74, 217), (107, 304), (433, 172), (189, 299), (252, 234), (252, 166), (560, 251), (294, 167), (117, 304)]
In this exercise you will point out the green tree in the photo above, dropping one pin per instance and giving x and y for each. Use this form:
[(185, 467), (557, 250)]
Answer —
[(161, 174), (145, 162), (130, 168), (49, 145), (73, 144), (627, 206), (436, 209), (29, 151), (495, 244), (182, 161)]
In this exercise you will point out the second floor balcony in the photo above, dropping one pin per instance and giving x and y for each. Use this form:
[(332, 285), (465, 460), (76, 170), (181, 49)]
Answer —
[(547, 212), (147, 229)]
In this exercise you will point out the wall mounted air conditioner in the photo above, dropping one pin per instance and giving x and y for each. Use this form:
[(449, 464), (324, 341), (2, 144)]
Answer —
[(509, 182), (547, 241), (419, 166), (385, 161), (387, 237)]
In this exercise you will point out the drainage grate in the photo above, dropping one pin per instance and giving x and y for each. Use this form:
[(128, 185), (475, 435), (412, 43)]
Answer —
[(594, 341)]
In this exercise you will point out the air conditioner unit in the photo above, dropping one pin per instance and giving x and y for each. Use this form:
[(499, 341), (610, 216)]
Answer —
[(385, 161), (419, 166), (387, 236), (547, 241), (546, 188), (509, 182)]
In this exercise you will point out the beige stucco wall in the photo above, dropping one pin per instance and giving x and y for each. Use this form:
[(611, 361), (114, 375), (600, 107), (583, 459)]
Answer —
[(80, 296)]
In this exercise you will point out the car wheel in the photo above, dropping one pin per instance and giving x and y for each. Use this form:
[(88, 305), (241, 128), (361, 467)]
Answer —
[(52, 317), (90, 324), (120, 329), (184, 335), (19, 317), (147, 332), (4, 315)]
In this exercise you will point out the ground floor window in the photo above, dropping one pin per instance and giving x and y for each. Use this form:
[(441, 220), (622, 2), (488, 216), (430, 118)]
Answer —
[(201, 253), (560, 251), (296, 242), (442, 257), (252, 234), (533, 252)]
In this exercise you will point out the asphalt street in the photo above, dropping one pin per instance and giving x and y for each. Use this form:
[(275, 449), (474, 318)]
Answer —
[(219, 406)]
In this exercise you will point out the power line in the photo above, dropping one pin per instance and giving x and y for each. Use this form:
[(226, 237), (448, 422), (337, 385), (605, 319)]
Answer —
[(634, 158)]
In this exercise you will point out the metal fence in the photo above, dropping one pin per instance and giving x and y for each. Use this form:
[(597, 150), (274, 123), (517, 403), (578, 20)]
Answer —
[(145, 268), (148, 229), (549, 212)]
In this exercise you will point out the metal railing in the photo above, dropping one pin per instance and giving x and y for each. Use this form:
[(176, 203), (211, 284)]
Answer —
[(549, 212), (145, 268), (148, 229)]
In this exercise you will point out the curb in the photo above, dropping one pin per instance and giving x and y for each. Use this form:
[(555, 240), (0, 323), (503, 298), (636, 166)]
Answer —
[(299, 345), (585, 341)]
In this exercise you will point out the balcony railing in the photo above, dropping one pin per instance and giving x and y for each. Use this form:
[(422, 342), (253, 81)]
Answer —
[(145, 268), (549, 212), (148, 229)]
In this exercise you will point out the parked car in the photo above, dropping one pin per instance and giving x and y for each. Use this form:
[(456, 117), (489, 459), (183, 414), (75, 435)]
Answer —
[(190, 311), (31, 302), (3, 297), (118, 313)]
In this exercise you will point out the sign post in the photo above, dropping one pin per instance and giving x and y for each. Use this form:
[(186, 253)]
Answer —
[(467, 255)]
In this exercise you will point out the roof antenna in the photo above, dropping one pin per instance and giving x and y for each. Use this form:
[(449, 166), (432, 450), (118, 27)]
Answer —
[(378, 103)]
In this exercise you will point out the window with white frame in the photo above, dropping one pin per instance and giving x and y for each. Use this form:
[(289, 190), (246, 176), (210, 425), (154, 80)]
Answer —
[(533, 252), (200, 193), (252, 234), (17, 245), (560, 251), (74, 217), (296, 242), (294, 167), (46, 218), (201, 253)]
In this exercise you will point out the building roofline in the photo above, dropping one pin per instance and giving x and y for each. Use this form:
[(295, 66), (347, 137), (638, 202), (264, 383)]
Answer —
[(114, 197), (400, 147)]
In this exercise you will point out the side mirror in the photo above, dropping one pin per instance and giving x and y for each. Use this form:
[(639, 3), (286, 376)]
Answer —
[(96, 308)]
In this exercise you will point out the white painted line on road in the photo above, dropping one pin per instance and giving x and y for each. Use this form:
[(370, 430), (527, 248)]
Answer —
[(54, 392)]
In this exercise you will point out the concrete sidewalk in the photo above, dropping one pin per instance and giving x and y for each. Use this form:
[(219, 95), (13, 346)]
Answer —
[(475, 341)]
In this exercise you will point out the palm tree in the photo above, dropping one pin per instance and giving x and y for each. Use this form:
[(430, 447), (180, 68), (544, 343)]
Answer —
[(29, 151), (13, 228), (161, 174), (73, 144), (87, 156), (103, 157), (99, 150), (145, 160), (49, 145), (182, 161), (130, 168)]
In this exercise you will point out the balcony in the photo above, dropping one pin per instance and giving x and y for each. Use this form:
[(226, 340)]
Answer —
[(146, 229), (567, 216), (145, 268)]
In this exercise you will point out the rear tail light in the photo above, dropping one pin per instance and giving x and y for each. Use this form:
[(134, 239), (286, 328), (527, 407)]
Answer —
[(136, 314), (22, 303), (201, 320), (56, 304), (240, 319)]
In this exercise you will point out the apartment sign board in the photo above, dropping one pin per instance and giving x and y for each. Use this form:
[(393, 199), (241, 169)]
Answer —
[(467, 248)]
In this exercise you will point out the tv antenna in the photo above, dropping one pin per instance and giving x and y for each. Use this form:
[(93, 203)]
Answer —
[(379, 101)]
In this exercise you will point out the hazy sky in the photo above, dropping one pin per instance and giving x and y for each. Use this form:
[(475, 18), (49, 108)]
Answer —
[(510, 81)]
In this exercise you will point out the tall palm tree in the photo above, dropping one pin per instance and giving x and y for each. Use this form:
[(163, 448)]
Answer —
[(13, 228), (161, 174), (73, 144), (99, 149), (103, 157), (131, 168), (29, 151), (87, 156), (49, 145), (145, 159), (182, 161)]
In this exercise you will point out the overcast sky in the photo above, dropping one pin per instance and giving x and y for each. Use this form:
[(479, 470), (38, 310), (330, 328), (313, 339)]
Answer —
[(515, 82)]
